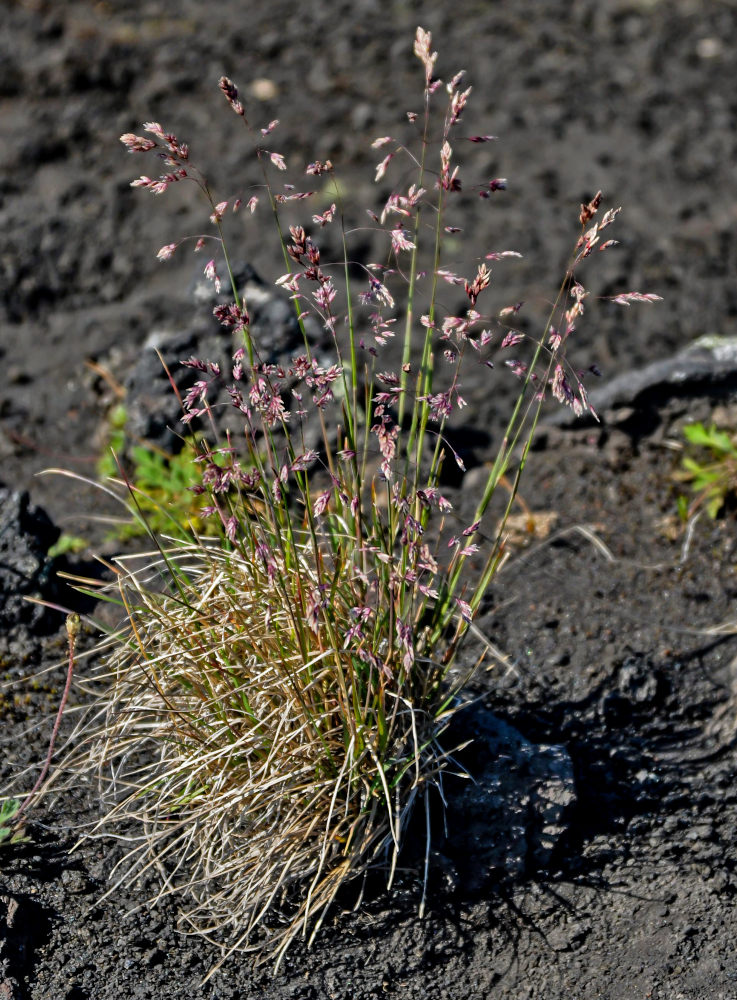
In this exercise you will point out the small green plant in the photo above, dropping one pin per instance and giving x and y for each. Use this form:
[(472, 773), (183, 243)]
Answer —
[(9, 832), (67, 545), (710, 469), (161, 485), (165, 503), (279, 691)]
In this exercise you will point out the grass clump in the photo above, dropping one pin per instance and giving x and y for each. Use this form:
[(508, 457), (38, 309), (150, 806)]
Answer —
[(278, 692)]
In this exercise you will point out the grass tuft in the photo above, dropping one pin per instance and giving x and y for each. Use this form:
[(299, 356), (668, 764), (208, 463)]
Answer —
[(276, 698)]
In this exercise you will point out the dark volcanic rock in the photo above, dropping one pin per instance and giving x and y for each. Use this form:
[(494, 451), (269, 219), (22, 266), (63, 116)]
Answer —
[(509, 816), (153, 409), (274, 327), (26, 533), (9, 986), (707, 367)]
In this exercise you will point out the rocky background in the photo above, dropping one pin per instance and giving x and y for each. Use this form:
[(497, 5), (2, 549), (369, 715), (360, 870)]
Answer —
[(617, 671)]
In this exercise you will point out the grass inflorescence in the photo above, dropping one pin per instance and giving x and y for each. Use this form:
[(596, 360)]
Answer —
[(278, 693)]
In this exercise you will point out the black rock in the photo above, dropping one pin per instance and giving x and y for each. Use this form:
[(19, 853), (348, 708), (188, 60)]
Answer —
[(153, 409), (9, 985), (707, 367), (273, 319), (26, 534), (506, 819)]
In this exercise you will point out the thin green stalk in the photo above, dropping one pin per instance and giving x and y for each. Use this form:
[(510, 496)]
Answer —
[(504, 455), (408, 331), (424, 381)]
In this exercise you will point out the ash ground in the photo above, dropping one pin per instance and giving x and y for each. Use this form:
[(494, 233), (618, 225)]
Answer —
[(611, 647)]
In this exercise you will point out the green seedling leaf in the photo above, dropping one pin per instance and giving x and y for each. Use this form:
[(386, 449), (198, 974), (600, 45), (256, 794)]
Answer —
[(67, 545), (711, 480), (718, 441), (714, 506), (696, 434), (8, 834)]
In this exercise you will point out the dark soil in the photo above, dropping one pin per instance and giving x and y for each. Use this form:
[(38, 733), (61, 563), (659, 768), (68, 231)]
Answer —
[(608, 626)]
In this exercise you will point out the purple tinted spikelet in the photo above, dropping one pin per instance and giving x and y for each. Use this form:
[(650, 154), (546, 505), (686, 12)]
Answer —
[(230, 91)]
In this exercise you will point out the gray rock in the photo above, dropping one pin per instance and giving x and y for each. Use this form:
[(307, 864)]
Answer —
[(708, 366), (9, 985), (723, 724), (26, 533), (152, 407), (274, 328), (153, 410), (508, 817)]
